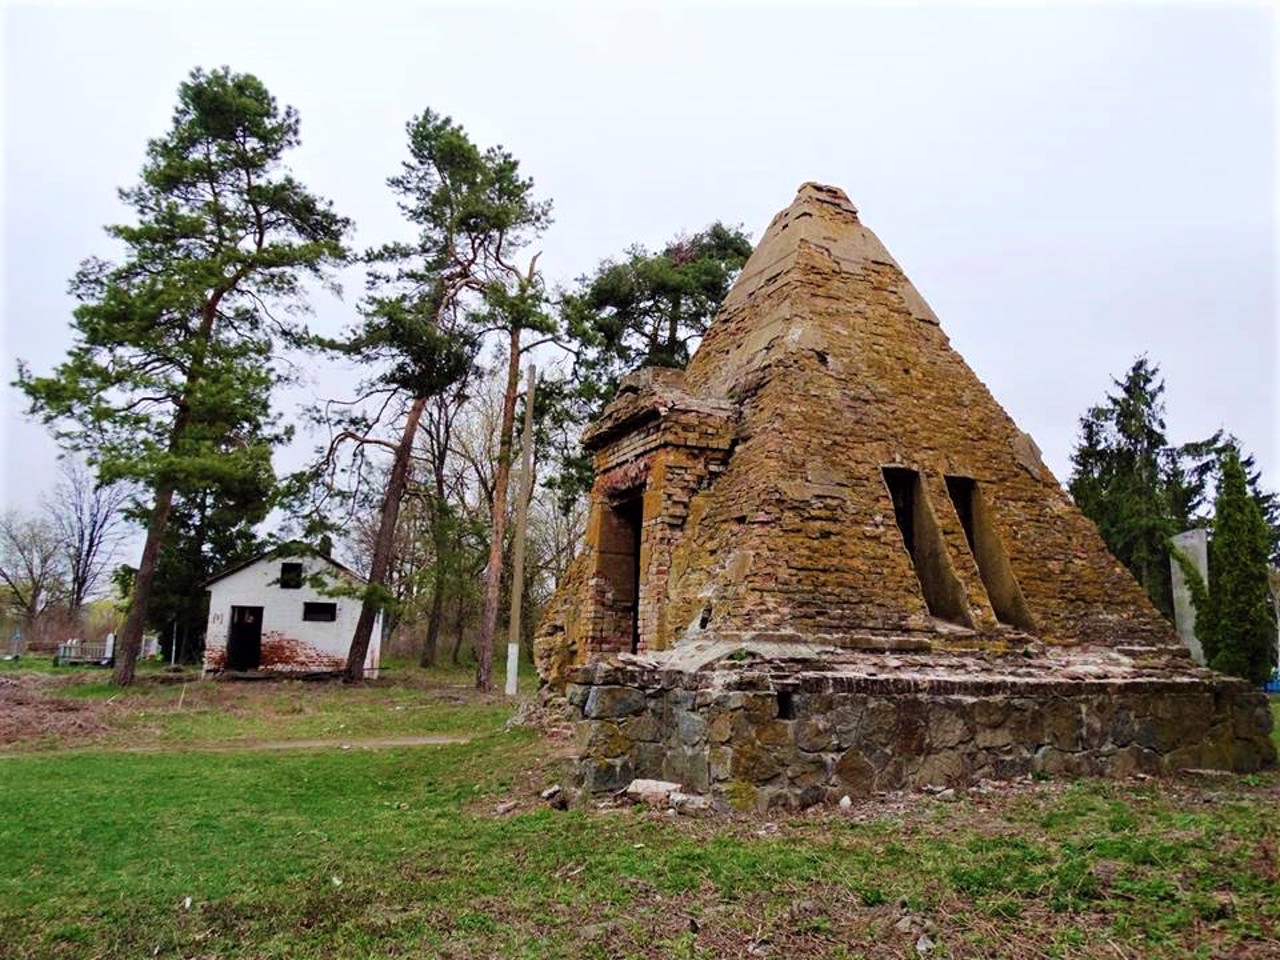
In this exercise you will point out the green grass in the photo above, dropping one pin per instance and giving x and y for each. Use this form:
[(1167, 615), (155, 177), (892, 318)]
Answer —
[(407, 701), (399, 853)]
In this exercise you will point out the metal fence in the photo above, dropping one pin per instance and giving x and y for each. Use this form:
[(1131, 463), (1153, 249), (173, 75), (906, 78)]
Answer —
[(77, 652)]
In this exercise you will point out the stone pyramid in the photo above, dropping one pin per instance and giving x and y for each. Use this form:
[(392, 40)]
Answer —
[(850, 482), (824, 560)]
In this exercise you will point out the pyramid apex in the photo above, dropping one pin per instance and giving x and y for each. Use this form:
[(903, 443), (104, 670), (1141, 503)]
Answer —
[(813, 192)]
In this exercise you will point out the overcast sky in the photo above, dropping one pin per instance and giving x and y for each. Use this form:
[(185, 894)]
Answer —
[(1068, 187)]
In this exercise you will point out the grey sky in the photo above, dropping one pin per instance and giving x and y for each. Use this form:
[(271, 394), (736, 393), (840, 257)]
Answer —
[(1068, 187)]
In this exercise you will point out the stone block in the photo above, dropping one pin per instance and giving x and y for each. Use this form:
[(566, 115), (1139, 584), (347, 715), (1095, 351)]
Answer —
[(854, 773), (994, 737), (877, 723), (689, 768), (1063, 724), (719, 763), (691, 729), (682, 699), (1251, 717), (1131, 760), (912, 732), (613, 702), (949, 725), (814, 734), (641, 727), (990, 712), (1026, 721), (775, 733), (649, 759), (653, 792), (603, 738), (807, 769), (607, 776), (944, 768), (720, 729), (752, 763), (1124, 726)]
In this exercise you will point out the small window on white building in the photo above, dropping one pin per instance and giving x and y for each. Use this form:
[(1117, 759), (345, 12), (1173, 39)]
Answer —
[(290, 576), (327, 612)]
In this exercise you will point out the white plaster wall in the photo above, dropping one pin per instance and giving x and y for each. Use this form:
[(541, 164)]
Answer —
[(319, 645)]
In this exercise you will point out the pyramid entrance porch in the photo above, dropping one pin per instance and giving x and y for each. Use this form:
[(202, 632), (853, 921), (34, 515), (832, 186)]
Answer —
[(654, 451)]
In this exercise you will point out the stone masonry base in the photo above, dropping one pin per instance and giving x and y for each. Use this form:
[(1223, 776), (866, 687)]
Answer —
[(765, 738)]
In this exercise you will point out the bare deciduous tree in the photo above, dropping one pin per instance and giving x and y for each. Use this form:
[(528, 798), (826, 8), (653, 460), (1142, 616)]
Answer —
[(32, 565), (90, 523)]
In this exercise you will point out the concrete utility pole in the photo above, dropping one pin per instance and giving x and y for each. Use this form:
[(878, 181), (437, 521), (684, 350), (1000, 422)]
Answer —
[(522, 523)]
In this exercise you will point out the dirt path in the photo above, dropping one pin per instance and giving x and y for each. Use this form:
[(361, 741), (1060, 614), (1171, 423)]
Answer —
[(246, 746)]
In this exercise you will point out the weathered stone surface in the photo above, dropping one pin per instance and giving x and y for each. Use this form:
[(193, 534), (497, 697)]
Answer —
[(753, 763), (967, 729), (613, 702), (690, 727), (690, 767), (854, 773), (814, 734), (652, 792), (950, 724)]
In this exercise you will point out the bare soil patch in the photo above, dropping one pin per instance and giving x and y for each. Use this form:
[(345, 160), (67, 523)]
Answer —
[(32, 709)]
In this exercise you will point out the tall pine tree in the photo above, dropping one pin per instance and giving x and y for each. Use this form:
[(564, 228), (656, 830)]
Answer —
[(167, 380), (420, 328)]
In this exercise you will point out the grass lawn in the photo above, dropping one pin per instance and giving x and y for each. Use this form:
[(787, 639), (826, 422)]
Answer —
[(332, 853), (406, 702)]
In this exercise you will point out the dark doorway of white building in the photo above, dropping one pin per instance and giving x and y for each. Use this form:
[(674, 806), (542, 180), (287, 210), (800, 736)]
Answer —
[(244, 643)]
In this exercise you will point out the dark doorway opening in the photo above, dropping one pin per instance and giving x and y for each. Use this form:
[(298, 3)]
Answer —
[(988, 553), (244, 642), (620, 562), (943, 594)]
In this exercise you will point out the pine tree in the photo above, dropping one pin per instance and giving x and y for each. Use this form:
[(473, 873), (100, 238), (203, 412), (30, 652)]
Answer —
[(1125, 480), (169, 378), (648, 309), (1235, 624), (431, 305)]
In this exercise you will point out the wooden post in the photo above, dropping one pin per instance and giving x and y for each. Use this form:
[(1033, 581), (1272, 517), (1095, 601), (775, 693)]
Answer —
[(522, 523)]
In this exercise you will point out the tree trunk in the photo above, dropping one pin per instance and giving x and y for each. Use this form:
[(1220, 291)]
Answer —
[(130, 643), (384, 544), (459, 631), (431, 641), (493, 570), (440, 545)]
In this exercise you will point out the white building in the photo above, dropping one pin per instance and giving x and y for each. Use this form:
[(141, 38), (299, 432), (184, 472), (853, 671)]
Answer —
[(266, 615)]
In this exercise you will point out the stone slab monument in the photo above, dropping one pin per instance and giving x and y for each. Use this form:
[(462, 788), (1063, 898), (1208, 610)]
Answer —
[(823, 561), (1194, 545)]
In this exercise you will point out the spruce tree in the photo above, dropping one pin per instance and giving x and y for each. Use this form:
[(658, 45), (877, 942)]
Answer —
[(1125, 480), (1235, 625), (169, 377)]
